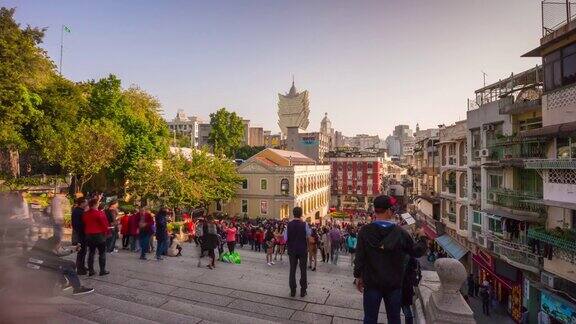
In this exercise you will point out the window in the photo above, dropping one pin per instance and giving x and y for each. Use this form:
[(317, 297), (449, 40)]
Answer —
[(245, 184), (263, 184), (494, 224), (560, 68), (264, 207), (284, 187), (566, 147), (496, 180), (244, 206), (477, 217)]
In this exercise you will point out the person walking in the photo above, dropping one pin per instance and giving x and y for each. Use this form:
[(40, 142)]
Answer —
[(125, 230), (210, 241), (112, 216), (161, 233), (95, 228), (313, 250), (381, 253), (335, 238), (230, 237), (485, 296), (78, 235), (133, 230), (145, 221), (269, 246), (351, 242), (296, 237), (326, 244)]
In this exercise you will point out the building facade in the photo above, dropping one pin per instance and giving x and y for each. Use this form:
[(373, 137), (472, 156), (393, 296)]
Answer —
[(256, 136), (204, 130), (276, 181), (314, 145), (182, 124), (356, 179)]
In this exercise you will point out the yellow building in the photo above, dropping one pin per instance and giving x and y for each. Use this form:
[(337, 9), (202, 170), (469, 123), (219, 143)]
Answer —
[(275, 181)]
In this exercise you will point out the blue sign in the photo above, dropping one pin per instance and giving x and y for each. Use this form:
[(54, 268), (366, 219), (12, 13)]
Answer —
[(556, 308)]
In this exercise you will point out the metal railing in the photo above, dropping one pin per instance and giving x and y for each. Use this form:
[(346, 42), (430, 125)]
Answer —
[(518, 253), (546, 164), (451, 216), (514, 148), (515, 199), (556, 14)]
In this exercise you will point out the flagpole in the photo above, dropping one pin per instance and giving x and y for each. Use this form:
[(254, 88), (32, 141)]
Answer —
[(61, 47)]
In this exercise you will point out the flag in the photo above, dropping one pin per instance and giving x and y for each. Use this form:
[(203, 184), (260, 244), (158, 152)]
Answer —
[(66, 29)]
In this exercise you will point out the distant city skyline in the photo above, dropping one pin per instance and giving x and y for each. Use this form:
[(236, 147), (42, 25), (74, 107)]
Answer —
[(370, 65)]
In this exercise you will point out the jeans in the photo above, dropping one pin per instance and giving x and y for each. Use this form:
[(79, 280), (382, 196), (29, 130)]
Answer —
[(231, 246), (486, 307), (94, 243), (71, 276), (125, 241), (133, 242), (334, 253), (408, 315), (144, 239), (392, 302), (301, 261), (81, 257), (161, 248), (111, 241)]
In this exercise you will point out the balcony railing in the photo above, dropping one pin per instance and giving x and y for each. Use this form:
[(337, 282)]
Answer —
[(513, 148), (515, 199), (518, 253), (508, 106), (546, 164), (451, 216), (564, 240)]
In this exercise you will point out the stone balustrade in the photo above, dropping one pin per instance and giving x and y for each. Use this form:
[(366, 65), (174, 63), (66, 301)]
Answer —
[(439, 298)]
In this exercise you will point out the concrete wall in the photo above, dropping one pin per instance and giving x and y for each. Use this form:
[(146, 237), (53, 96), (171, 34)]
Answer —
[(559, 106)]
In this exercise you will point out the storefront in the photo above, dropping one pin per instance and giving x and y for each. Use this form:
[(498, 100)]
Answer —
[(505, 280), (558, 309)]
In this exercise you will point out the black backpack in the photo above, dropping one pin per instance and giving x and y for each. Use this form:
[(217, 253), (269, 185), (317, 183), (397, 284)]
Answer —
[(413, 273)]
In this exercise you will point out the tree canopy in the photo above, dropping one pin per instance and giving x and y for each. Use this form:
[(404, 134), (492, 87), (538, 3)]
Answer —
[(227, 132)]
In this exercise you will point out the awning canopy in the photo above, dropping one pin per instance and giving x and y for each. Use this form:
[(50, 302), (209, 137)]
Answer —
[(507, 214), (451, 247)]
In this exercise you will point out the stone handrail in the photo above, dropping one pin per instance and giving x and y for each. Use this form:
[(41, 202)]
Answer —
[(439, 297)]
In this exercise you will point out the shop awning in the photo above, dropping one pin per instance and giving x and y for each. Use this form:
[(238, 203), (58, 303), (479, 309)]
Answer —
[(551, 130), (429, 232), (507, 214), (453, 248)]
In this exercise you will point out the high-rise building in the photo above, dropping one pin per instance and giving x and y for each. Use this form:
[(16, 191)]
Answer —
[(256, 136), (293, 110)]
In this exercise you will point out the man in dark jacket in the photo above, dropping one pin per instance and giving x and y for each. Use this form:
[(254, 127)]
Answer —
[(78, 237), (161, 233), (297, 233), (381, 253)]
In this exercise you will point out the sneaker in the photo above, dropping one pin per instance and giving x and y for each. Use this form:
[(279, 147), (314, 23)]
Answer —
[(82, 291), (273, 263), (269, 264), (293, 293), (115, 251), (103, 273), (303, 293)]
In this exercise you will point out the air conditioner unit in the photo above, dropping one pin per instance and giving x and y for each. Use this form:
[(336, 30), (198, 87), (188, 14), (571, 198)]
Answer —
[(481, 240), (484, 153), (547, 279), (488, 127)]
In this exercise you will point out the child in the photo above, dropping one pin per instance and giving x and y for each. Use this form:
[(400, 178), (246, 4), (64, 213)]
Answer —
[(175, 249), (269, 246)]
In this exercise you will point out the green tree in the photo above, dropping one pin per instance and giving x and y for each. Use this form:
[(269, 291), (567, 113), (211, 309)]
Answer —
[(24, 70), (86, 149), (246, 151), (227, 132)]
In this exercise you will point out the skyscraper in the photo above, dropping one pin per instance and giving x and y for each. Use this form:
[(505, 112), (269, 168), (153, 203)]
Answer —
[(293, 110)]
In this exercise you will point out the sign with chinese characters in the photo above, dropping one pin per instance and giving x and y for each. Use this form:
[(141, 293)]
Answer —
[(556, 308), (309, 140)]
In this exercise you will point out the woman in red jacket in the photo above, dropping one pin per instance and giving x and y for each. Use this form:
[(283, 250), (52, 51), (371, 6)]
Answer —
[(125, 230), (95, 227)]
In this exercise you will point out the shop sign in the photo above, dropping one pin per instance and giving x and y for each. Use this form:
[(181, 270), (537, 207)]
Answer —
[(557, 308), (309, 140)]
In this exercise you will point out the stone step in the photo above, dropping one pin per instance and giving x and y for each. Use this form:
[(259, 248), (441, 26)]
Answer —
[(65, 318)]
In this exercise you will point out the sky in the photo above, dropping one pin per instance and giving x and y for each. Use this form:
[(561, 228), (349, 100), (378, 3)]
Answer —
[(369, 64)]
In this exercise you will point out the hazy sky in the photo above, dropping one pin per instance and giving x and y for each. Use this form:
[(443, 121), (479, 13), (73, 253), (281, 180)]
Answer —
[(369, 64)]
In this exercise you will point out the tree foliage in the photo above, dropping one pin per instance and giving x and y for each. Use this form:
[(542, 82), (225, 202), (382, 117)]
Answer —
[(227, 132), (178, 182), (246, 151)]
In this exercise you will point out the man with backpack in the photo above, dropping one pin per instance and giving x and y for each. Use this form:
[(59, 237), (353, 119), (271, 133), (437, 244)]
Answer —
[(351, 242), (381, 258)]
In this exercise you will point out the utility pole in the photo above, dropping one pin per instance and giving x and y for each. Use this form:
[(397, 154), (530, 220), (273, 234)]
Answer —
[(61, 47), (568, 13)]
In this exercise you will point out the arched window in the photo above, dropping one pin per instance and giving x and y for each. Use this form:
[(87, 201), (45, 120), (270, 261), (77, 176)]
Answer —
[(284, 186)]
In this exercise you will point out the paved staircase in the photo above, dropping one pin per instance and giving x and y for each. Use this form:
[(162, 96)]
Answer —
[(175, 290)]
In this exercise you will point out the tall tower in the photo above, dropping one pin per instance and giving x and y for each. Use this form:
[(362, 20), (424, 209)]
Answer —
[(293, 110)]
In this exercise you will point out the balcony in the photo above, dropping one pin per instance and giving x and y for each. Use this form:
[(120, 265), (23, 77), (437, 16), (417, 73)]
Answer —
[(451, 216), (515, 199), (549, 164), (561, 239), (507, 106), (518, 255), (507, 148)]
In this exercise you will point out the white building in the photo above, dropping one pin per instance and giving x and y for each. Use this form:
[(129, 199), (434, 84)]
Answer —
[(182, 124)]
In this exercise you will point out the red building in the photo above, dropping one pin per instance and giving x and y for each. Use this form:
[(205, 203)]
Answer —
[(356, 180)]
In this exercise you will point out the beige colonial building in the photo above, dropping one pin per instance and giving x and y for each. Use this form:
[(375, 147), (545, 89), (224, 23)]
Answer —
[(275, 181)]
